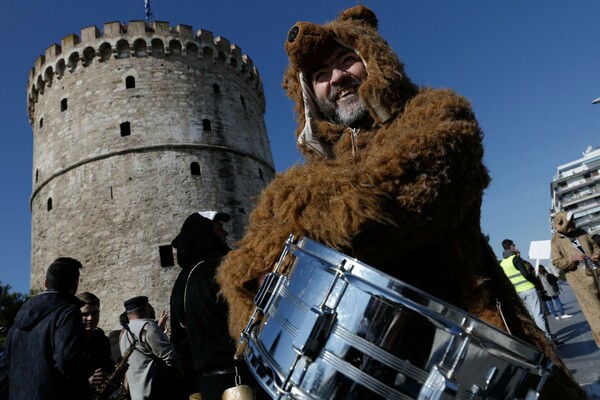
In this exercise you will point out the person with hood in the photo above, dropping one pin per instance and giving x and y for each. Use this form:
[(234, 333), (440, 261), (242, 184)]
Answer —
[(574, 252), (45, 344), (198, 314), (393, 177)]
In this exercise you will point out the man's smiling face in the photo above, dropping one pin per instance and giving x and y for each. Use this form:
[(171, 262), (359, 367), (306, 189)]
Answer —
[(335, 84)]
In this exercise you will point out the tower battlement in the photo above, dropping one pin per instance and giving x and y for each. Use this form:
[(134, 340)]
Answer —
[(136, 39)]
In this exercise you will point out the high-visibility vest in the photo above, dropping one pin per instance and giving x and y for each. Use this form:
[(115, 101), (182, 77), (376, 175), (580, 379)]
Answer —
[(516, 277)]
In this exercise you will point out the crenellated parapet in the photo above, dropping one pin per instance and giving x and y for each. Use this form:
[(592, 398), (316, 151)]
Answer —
[(136, 39)]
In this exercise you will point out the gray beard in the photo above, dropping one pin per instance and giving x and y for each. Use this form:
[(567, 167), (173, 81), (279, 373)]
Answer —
[(349, 116), (350, 113)]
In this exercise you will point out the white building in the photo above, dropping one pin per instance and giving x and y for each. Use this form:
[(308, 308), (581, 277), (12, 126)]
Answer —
[(576, 188)]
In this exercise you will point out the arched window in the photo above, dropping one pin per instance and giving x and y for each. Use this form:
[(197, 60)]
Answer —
[(60, 68), (206, 125), (88, 55), (123, 49), (48, 76), (216, 88), (140, 49), (73, 60), (158, 48), (175, 47), (63, 105), (130, 82), (192, 51), (49, 204), (37, 174), (207, 51), (243, 101), (125, 129), (41, 122), (105, 51), (195, 169), (260, 174), (41, 84)]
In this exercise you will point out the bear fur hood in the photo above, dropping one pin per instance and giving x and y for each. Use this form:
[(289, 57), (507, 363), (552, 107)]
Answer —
[(561, 222), (385, 91)]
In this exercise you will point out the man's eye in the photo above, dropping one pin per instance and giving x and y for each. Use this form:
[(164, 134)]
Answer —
[(320, 76), (349, 60)]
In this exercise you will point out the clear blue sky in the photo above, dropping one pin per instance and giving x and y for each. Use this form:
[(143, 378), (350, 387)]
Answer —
[(530, 69)]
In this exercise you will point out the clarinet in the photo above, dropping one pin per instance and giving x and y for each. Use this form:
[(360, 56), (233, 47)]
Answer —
[(116, 378)]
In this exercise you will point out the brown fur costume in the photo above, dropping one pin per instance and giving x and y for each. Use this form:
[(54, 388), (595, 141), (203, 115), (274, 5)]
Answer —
[(404, 196), (584, 286)]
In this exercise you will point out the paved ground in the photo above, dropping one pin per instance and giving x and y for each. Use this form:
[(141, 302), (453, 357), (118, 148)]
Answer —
[(579, 352)]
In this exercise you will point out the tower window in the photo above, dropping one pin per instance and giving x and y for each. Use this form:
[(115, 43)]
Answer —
[(37, 174), (243, 100), (63, 105), (41, 122), (195, 169), (260, 174), (49, 204), (206, 125), (216, 88), (130, 82), (166, 256), (125, 129)]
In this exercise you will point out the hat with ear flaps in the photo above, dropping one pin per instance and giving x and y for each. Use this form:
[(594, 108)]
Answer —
[(385, 91), (561, 222)]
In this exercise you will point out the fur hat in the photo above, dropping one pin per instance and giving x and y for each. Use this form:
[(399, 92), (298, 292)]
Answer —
[(384, 92)]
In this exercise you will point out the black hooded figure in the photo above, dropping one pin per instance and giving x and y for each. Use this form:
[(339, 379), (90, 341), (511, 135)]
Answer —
[(198, 314)]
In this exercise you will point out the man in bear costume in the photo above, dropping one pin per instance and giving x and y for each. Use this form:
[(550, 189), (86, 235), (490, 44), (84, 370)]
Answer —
[(570, 247), (399, 187)]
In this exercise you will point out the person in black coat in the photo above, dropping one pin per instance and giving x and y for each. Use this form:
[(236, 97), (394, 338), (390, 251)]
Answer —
[(199, 327)]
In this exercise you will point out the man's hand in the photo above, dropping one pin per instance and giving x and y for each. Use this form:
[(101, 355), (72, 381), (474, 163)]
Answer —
[(595, 258), (98, 378), (162, 319), (578, 257)]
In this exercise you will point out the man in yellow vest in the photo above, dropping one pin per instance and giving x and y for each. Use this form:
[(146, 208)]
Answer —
[(524, 282)]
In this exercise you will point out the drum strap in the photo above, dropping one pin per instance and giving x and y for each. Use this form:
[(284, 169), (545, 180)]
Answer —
[(499, 307)]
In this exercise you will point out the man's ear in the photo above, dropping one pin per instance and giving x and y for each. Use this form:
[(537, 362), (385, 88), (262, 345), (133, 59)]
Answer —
[(45, 283)]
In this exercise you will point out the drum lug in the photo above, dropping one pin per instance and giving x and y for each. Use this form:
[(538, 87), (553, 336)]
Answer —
[(264, 297), (438, 386), (314, 332)]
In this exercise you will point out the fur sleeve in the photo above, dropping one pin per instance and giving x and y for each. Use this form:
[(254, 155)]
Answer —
[(430, 161)]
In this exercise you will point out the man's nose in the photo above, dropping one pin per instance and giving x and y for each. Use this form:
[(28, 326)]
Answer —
[(337, 75)]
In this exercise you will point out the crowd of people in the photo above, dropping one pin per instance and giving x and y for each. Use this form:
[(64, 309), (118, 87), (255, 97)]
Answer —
[(393, 176), (56, 349)]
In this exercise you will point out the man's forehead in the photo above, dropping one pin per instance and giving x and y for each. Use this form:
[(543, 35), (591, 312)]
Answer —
[(337, 52)]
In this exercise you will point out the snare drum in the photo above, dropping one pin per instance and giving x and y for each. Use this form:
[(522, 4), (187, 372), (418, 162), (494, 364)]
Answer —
[(335, 328)]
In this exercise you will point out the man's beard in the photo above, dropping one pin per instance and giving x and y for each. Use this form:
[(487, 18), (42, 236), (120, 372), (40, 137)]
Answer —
[(350, 110)]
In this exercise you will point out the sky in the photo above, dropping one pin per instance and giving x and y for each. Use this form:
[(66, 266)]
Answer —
[(530, 69)]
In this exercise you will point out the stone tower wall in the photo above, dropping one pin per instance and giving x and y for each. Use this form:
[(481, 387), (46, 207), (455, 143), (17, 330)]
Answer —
[(134, 129)]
